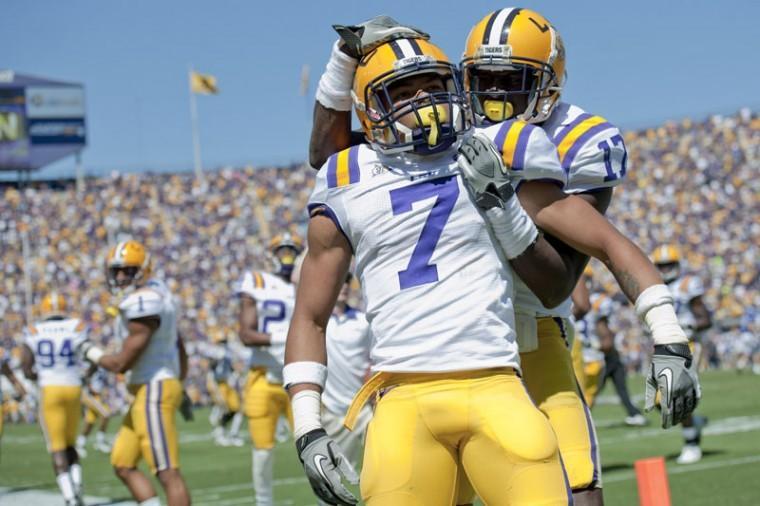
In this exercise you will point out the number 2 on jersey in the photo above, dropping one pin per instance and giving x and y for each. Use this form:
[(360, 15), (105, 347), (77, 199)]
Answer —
[(446, 190), (274, 311)]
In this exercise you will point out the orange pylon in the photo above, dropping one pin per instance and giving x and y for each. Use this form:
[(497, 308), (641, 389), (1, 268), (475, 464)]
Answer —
[(652, 479)]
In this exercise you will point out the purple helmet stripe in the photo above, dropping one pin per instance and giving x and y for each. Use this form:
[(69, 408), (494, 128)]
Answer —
[(508, 25), (489, 26)]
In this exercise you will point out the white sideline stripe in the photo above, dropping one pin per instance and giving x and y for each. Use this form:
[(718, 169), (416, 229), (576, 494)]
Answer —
[(720, 427), (47, 498), (280, 482), (688, 468)]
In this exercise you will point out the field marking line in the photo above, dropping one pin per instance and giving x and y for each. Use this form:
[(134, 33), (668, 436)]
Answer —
[(688, 468)]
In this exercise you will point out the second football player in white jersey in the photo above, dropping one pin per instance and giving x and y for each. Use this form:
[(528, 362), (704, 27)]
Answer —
[(153, 355), (49, 358), (266, 307)]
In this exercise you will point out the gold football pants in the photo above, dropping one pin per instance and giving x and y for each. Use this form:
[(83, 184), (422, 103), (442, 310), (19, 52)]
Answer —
[(60, 412), (265, 402), (549, 377), (149, 429), (426, 432)]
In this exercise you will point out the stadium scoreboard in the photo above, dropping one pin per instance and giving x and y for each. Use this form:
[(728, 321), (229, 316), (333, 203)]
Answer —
[(41, 121)]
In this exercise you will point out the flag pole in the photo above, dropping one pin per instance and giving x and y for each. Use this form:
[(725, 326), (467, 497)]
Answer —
[(196, 132)]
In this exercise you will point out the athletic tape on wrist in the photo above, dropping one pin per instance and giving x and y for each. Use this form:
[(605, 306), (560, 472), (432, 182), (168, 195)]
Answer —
[(94, 354), (513, 228), (655, 295), (334, 89), (304, 372), (307, 412), (655, 306)]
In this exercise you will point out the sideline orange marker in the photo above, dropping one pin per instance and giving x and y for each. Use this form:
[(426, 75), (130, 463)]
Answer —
[(652, 479)]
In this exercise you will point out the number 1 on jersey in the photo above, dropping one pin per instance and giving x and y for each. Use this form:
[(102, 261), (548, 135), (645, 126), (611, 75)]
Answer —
[(446, 190)]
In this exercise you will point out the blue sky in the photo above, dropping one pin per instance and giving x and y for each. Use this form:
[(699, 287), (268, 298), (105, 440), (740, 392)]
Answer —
[(636, 63)]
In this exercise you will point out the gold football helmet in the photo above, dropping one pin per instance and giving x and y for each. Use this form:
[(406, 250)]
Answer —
[(513, 66), (424, 121), (667, 259), (127, 264), (284, 249), (52, 304)]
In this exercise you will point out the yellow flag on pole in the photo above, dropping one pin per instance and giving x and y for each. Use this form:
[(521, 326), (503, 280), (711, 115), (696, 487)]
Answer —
[(204, 84)]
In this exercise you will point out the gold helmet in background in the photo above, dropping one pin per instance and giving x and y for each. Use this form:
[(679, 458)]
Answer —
[(127, 264)]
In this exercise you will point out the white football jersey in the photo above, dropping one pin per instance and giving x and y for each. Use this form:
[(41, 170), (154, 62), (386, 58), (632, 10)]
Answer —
[(593, 155), (601, 308), (436, 290), (685, 289), (348, 343), (54, 343), (160, 359), (275, 299)]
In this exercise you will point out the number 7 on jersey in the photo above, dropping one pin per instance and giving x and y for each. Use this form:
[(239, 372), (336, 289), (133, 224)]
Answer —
[(446, 190)]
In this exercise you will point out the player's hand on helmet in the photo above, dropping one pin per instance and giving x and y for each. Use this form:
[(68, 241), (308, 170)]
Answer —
[(673, 374), (361, 39), (325, 466), (89, 351), (186, 408), (484, 172)]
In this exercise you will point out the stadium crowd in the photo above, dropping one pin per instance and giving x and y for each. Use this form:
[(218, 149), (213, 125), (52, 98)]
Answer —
[(693, 184)]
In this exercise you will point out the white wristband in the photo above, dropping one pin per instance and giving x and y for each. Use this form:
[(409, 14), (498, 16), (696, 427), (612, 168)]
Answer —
[(655, 306), (513, 228), (307, 408), (334, 89), (304, 372), (94, 354)]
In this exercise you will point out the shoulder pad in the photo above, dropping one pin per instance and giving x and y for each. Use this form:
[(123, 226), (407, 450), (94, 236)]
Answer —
[(251, 284), (527, 151), (142, 303)]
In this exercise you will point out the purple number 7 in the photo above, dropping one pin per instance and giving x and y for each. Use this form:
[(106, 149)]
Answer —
[(446, 190)]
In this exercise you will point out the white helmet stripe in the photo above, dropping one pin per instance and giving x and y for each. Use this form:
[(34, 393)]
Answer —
[(406, 48), (498, 26)]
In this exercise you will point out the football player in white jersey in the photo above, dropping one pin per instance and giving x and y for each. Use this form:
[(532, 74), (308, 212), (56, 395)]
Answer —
[(593, 156), (266, 307), (694, 316), (49, 358), (544, 200), (153, 354)]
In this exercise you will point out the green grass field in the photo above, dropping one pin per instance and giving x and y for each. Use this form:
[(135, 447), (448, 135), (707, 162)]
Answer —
[(729, 473)]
